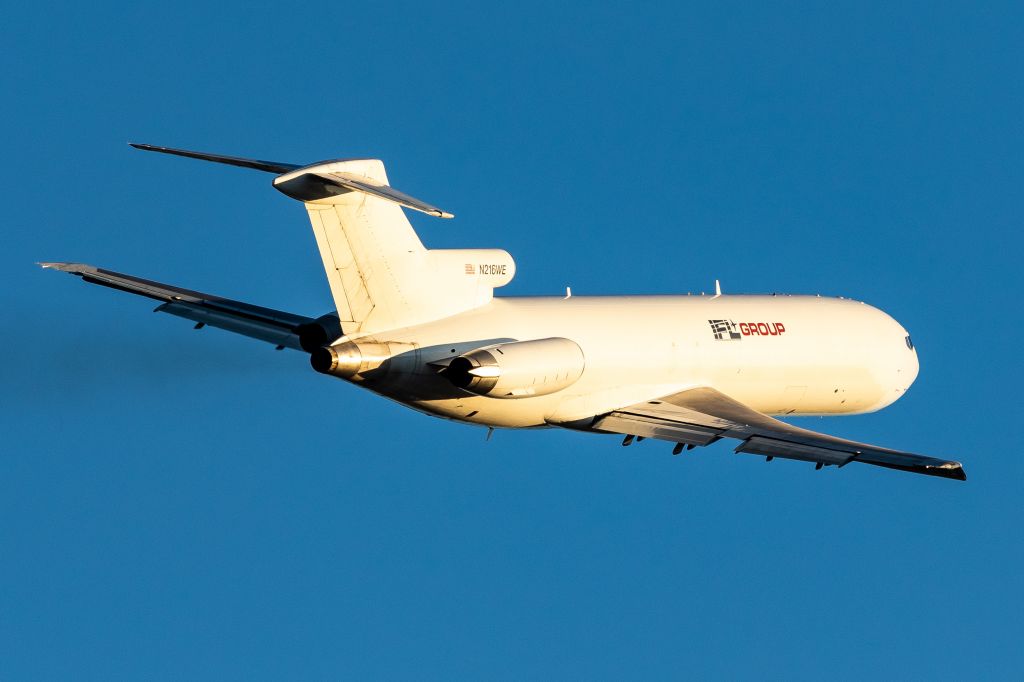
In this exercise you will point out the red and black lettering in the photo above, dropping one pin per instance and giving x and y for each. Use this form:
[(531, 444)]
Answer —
[(762, 328)]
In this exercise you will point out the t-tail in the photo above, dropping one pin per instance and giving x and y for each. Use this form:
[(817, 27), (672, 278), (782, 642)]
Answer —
[(380, 274)]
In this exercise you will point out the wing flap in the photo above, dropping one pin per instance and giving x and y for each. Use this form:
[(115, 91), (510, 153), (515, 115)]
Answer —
[(774, 447), (661, 429), (246, 326)]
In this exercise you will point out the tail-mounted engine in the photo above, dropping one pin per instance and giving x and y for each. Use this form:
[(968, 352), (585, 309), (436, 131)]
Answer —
[(372, 362), (320, 332), (350, 360), (519, 369)]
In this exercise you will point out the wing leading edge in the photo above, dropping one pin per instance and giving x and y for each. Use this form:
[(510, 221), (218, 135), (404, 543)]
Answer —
[(701, 416), (285, 330)]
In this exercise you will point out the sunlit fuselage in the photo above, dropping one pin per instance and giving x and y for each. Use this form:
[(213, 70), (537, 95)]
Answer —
[(781, 355)]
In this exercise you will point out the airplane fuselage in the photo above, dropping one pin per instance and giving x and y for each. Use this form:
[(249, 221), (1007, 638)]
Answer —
[(779, 354)]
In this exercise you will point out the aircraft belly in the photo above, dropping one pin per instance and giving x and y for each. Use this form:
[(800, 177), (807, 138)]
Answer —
[(820, 389)]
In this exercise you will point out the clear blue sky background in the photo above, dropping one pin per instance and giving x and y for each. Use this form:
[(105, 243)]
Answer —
[(180, 504)]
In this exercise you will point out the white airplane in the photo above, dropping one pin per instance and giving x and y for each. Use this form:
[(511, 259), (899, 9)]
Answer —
[(422, 327)]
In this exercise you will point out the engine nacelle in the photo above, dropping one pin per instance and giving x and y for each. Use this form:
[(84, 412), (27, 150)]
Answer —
[(518, 369), (352, 360), (320, 332)]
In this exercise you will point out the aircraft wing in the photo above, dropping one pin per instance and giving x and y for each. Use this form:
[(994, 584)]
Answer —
[(701, 416), (282, 329)]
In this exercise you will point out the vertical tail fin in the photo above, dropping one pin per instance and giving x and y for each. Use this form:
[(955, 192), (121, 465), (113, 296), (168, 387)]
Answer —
[(380, 274), (364, 241)]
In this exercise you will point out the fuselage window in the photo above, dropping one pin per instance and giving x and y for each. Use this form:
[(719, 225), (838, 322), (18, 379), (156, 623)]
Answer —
[(910, 344)]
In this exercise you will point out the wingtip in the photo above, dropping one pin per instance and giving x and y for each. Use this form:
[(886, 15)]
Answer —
[(953, 470), (64, 267)]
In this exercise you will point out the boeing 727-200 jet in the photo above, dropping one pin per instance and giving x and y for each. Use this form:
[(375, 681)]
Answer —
[(423, 327)]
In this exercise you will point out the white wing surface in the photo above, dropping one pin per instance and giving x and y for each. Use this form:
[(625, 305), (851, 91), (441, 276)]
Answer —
[(701, 416)]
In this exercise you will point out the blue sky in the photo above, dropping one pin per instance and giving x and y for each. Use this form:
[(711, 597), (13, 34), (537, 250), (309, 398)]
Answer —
[(180, 504)]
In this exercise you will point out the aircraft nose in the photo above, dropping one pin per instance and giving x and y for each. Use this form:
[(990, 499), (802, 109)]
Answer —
[(911, 366)]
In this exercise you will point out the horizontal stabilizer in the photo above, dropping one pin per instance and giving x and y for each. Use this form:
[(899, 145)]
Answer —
[(327, 180), (312, 182), (266, 166), (357, 184)]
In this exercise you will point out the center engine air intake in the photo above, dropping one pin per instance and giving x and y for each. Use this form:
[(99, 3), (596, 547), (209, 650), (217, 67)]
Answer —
[(518, 369)]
